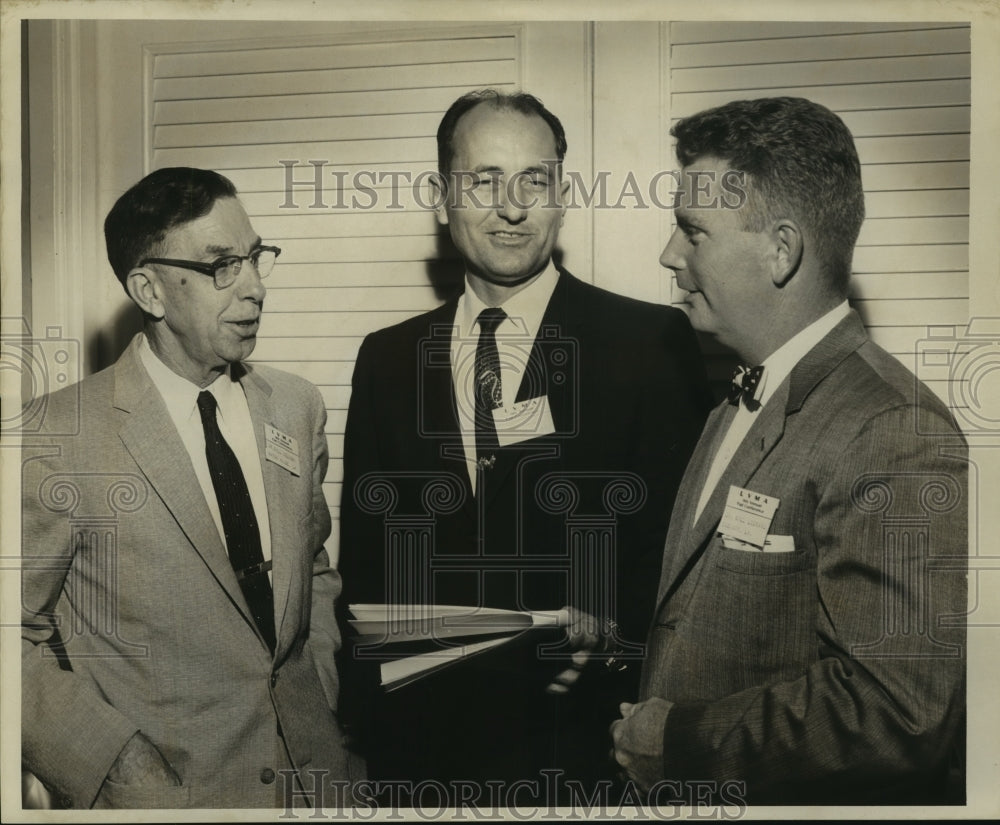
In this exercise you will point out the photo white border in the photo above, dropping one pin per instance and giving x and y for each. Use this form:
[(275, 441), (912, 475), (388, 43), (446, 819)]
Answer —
[(984, 284)]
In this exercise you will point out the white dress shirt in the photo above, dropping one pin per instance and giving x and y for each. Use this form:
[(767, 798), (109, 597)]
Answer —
[(235, 424), (777, 367), (515, 339)]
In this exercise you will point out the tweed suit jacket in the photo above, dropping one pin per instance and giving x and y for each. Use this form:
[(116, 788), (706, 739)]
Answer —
[(834, 672), (133, 619)]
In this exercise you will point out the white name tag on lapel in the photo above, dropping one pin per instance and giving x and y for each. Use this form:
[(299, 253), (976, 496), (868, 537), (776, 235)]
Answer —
[(282, 449), (525, 419), (748, 516)]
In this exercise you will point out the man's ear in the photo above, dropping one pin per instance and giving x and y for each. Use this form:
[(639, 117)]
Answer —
[(563, 199), (144, 288), (439, 194), (788, 248)]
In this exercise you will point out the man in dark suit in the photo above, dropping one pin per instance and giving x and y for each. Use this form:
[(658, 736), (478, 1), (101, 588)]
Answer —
[(178, 628), (808, 639), (525, 442)]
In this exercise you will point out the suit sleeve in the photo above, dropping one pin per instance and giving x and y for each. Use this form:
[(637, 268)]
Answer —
[(885, 694), (70, 734), (324, 635)]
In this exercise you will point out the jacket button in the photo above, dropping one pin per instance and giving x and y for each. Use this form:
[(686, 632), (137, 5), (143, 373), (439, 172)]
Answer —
[(267, 776), (274, 679)]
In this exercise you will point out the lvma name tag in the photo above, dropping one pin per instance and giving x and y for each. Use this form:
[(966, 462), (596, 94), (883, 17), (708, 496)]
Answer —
[(281, 449), (748, 516), (524, 420)]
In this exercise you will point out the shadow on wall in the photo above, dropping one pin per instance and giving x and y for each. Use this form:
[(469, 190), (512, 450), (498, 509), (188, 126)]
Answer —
[(103, 346)]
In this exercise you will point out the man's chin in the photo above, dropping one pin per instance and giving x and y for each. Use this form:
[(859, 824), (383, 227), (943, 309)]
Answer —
[(696, 316), (514, 277), (243, 350)]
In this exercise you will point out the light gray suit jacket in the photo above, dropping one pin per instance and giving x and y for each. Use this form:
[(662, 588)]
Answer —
[(835, 672), (133, 618)]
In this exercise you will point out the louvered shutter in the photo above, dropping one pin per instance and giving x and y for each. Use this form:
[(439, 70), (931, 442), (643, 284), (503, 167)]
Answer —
[(904, 91), (363, 112)]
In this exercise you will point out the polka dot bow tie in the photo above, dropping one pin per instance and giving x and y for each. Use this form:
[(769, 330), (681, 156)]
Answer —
[(746, 383)]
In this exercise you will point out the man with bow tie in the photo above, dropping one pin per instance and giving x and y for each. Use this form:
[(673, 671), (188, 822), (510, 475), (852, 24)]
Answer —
[(808, 641), (552, 421)]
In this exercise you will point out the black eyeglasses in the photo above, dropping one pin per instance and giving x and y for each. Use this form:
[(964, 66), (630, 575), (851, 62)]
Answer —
[(226, 270)]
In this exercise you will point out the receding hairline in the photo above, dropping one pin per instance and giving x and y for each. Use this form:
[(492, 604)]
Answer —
[(508, 107)]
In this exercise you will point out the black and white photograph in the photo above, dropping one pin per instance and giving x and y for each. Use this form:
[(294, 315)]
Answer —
[(465, 410)]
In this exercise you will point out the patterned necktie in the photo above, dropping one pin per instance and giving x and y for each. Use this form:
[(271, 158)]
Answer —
[(745, 383), (489, 395), (239, 523)]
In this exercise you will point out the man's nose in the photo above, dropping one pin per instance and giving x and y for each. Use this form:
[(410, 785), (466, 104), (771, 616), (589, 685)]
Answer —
[(511, 205), (250, 284), (672, 256)]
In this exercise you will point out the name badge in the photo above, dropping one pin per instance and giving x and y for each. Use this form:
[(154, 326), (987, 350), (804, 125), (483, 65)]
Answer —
[(282, 449), (524, 420), (748, 516)]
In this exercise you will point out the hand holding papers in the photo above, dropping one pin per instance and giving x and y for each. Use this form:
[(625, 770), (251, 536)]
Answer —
[(413, 641), (586, 636)]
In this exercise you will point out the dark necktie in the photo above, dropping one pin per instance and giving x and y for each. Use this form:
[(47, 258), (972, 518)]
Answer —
[(239, 523), (745, 383), (489, 395)]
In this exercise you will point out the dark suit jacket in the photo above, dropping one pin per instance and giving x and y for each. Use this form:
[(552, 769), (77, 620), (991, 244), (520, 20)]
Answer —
[(132, 615), (578, 516), (833, 673)]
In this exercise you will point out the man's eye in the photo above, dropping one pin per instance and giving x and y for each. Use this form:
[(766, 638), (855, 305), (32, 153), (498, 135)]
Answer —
[(225, 263)]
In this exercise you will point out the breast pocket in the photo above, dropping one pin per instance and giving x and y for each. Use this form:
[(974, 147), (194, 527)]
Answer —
[(780, 556), (754, 614)]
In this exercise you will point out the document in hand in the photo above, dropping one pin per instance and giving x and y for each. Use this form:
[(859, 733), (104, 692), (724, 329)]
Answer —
[(413, 641)]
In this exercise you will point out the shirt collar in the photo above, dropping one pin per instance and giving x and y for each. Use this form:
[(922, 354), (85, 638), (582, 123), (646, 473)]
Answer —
[(780, 363), (179, 394), (524, 309)]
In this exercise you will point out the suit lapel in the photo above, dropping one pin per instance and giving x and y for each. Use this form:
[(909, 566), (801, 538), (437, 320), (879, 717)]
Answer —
[(152, 440), (697, 470), (438, 411), (765, 432), (685, 543), (280, 513), (536, 381)]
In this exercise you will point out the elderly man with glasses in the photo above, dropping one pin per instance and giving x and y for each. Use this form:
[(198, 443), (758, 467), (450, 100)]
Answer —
[(178, 627)]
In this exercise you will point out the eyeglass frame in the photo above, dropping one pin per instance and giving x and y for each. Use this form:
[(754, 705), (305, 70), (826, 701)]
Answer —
[(218, 263)]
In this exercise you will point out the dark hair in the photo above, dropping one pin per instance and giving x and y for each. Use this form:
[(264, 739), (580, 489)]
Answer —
[(800, 162), (509, 101), (141, 218)]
